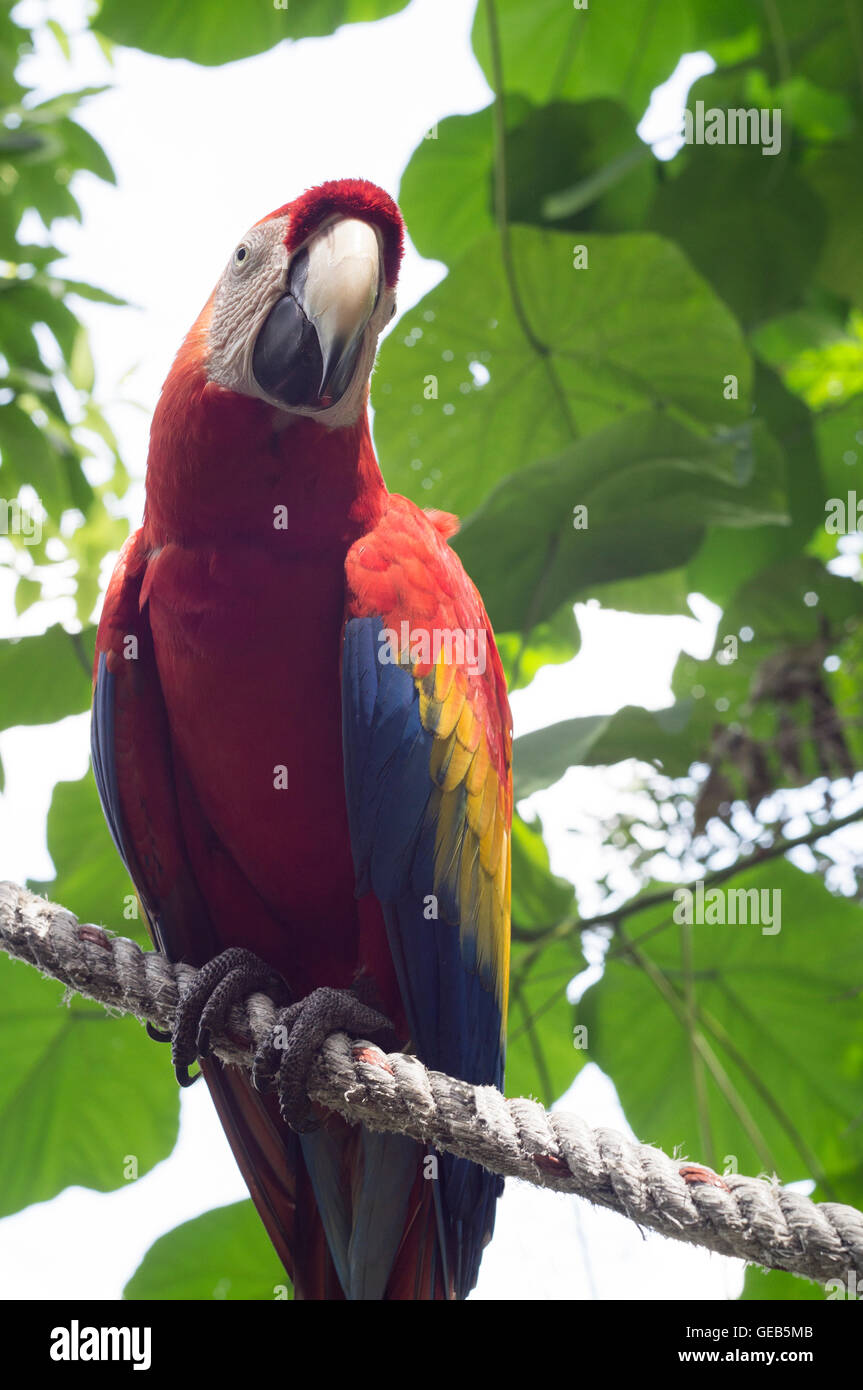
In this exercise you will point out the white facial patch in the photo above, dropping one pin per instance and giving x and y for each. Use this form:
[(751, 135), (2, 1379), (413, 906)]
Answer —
[(251, 285), (247, 291)]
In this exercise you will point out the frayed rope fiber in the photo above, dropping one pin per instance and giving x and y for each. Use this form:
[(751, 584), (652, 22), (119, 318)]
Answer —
[(751, 1218)]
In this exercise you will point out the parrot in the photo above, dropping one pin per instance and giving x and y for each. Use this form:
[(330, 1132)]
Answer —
[(302, 742)]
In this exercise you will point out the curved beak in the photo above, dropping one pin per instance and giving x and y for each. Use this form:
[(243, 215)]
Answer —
[(307, 349)]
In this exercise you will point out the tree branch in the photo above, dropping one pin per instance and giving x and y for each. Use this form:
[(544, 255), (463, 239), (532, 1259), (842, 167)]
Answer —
[(646, 901)]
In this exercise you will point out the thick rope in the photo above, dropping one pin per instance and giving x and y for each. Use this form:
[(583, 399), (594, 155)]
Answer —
[(751, 1218)]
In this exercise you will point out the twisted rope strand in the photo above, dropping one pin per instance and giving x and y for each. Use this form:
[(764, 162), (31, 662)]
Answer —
[(751, 1218)]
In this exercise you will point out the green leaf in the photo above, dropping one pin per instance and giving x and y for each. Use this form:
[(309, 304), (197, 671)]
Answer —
[(541, 1058), (652, 593), (576, 164), (775, 606), (92, 292), (779, 1014), (81, 151), (552, 50), (220, 31), (81, 494), (548, 644), (670, 738), (43, 187), (840, 449), (542, 757), (81, 1093), (632, 499), (579, 166), (23, 142), (821, 47), (61, 38), (445, 193), (224, 1254), (90, 878), (27, 592), (16, 331), (27, 457), (728, 32), (730, 556), (567, 206), (835, 177), (818, 360), (539, 897), (39, 299), (60, 106), (88, 545), (617, 338), (749, 224), (765, 1285), (44, 678), (81, 370), (817, 114)]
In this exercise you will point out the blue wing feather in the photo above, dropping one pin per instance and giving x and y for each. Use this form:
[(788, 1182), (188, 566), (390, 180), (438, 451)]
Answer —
[(393, 804)]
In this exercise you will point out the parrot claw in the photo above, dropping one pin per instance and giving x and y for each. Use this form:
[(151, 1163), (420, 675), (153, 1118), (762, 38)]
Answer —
[(204, 1008), (283, 1062), (156, 1033), (185, 1077)]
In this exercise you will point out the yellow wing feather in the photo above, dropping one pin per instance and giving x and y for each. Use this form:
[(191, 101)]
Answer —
[(472, 843)]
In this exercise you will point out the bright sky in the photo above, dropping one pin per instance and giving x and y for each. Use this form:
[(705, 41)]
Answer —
[(200, 154)]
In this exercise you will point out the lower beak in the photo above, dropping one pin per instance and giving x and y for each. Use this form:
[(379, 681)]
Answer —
[(307, 349)]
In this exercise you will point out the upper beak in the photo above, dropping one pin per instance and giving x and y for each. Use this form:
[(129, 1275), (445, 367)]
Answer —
[(307, 348)]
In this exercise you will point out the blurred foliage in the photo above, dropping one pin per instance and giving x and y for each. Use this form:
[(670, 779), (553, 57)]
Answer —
[(81, 1101), (82, 1094), (770, 1076), (220, 31), (762, 1285), (54, 438), (638, 380), (224, 1254)]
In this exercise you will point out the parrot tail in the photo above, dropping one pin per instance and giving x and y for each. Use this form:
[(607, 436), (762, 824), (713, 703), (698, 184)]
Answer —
[(348, 1211)]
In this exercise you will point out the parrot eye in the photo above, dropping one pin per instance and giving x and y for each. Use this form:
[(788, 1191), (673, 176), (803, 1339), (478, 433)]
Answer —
[(241, 255), (393, 311)]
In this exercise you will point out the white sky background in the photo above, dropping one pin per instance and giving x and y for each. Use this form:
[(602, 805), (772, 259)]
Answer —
[(200, 154)]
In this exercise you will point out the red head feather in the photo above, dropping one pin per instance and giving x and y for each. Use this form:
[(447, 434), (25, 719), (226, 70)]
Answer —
[(351, 198)]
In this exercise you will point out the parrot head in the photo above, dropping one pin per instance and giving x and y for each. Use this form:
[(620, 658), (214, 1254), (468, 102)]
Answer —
[(296, 316)]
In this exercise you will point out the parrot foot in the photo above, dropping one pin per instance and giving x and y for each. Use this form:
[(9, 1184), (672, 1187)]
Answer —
[(203, 1009), (284, 1061)]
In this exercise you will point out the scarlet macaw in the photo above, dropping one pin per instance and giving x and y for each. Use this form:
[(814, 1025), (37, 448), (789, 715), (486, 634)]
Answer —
[(301, 740)]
